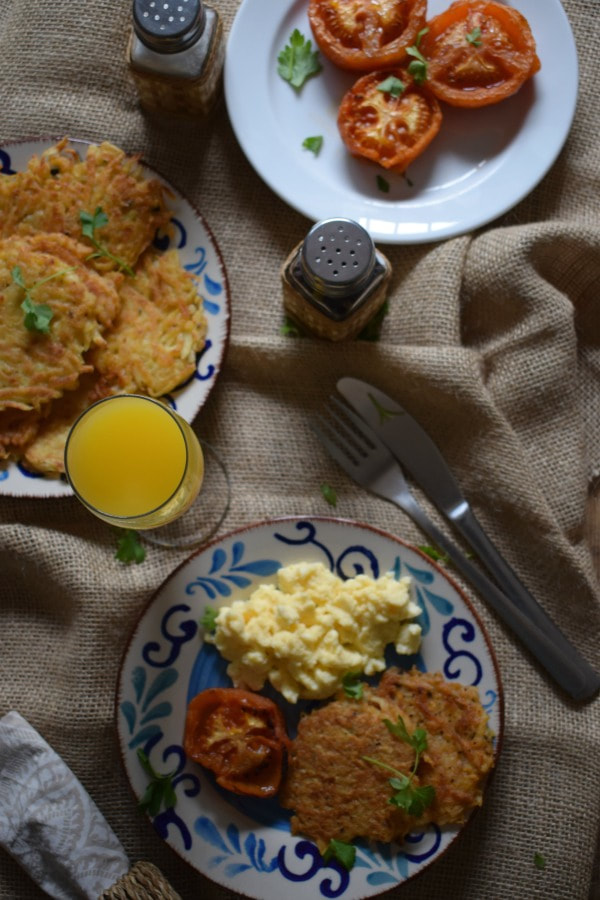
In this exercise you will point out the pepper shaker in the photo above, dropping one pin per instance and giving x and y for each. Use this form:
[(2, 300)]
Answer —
[(176, 54), (335, 280)]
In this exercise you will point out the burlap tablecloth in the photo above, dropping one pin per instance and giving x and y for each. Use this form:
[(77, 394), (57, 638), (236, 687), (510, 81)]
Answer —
[(492, 340)]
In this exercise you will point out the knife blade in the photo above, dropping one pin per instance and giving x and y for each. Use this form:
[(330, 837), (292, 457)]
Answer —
[(420, 456)]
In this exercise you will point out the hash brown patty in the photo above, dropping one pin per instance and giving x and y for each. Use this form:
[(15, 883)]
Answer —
[(36, 367), (161, 326), (336, 794), (460, 749), (333, 791), (50, 194)]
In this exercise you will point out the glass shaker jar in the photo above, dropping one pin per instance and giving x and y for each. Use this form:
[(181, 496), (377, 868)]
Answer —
[(176, 53), (335, 280)]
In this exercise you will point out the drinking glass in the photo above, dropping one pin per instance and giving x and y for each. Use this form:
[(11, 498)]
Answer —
[(135, 463)]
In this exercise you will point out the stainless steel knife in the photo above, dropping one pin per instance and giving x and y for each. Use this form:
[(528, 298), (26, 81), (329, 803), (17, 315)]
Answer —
[(419, 455)]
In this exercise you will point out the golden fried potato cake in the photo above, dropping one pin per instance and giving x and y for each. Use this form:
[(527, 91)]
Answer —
[(17, 428), (335, 793), (75, 254), (50, 194), (36, 367), (332, 790), (44, 452), (34, 198), (134, 204), (161, 327), (459, 751)]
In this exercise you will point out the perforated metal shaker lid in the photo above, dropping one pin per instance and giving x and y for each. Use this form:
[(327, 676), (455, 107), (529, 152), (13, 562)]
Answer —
[(168, 26), (337, 257)]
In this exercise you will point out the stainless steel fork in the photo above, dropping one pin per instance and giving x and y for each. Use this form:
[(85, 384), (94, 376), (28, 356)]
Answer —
[(358, 450)]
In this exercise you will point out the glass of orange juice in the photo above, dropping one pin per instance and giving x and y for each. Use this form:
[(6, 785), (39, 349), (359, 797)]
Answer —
[(135, 463)]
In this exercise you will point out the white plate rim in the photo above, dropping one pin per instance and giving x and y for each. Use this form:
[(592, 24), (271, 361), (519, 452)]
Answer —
[(188, 399), (341, 523)]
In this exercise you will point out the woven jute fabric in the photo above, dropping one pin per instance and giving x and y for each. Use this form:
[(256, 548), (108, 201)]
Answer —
[(144, 881), (492, 341)]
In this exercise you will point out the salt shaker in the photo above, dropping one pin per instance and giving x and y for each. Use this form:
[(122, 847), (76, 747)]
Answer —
[(176, 53), (335, 280)]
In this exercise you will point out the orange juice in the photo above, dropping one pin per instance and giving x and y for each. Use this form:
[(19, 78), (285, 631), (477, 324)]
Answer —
[(134, 462)]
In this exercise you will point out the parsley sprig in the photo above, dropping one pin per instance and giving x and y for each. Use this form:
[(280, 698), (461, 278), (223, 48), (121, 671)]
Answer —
[(313, 144), (418, 66), (474, 37), (352, 685), (343, 852), (298, 61), (392, 85), (90, 224), (37, 315), (129, 546), (413, 800), (160, 790), (328, 493), (435, 554), (290, 328), (208, 619)]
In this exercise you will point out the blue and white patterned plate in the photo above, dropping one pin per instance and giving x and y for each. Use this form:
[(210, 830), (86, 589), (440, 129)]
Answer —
[(200, 255), (245, 844)]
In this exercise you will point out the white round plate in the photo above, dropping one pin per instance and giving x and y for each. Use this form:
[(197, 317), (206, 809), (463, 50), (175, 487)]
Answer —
[(482, 162), (245, 843), (201, 256)]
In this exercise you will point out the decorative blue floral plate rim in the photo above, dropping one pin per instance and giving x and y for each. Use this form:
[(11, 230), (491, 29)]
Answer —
[(191, 235), (245, 844)]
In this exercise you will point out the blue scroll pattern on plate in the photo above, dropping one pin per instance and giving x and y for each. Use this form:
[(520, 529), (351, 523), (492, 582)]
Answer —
[(237, 852)]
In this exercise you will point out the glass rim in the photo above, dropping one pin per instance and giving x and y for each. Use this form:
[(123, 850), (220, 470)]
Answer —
[(136, 516)]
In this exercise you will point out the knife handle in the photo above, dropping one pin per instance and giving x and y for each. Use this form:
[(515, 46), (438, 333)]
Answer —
[(538, 633), (467, 525)]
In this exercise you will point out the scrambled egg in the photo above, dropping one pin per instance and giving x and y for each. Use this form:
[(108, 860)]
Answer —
[(312, 628)]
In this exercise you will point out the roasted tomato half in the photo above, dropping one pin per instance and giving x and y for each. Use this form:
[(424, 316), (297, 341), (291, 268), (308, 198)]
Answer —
[(478, 52), (363, 35), (240, 736), (393, 126)]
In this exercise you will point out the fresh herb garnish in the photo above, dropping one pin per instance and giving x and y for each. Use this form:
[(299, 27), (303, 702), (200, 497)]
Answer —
[(392, 85), (313, 144), (474, 37), (382, 412), (37, 315), (382, 184), (353, 686), (438, 556), (418, 66), (329, 494), (208, 620), (298, 61), (160, 791), (413, 800), (344, 853), (89, 225), (129, 547), (435, 554), (291, 328), (539, 861)]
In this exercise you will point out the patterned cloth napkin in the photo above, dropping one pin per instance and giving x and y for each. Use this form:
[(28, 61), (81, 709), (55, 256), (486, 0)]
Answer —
[(492, 341), (49, 822)]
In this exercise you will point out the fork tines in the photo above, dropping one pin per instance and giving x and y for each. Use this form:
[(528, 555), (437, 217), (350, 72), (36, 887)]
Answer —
[(344, 435)]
